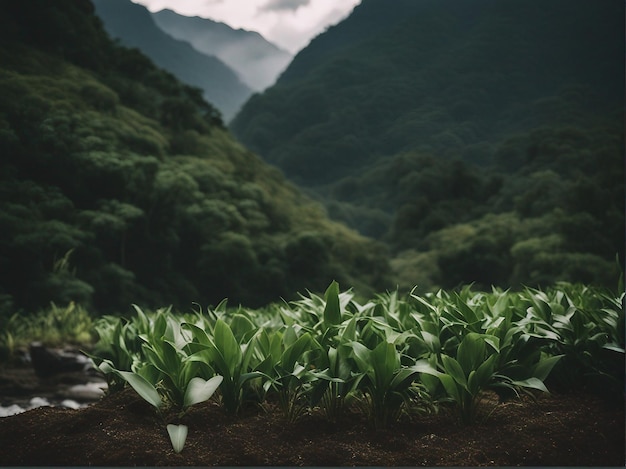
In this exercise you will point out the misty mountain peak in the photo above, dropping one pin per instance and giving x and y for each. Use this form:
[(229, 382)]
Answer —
[(257, 61), (134, 26)]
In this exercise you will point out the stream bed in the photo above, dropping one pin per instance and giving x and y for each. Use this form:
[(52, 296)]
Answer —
[(57, 378)]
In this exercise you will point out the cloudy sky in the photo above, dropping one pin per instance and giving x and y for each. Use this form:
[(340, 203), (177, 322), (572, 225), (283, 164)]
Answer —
[(289, 24)]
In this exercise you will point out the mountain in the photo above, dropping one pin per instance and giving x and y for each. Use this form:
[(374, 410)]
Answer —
[(257, 61), (119, 184), (482, 141), (135, 27)]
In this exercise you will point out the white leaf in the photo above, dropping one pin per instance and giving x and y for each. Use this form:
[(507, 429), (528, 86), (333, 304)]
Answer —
[(200, 390), (178, 436)]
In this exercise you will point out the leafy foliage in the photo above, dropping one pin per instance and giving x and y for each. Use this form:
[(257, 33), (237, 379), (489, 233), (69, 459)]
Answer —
[(385, 356), (52, 326)]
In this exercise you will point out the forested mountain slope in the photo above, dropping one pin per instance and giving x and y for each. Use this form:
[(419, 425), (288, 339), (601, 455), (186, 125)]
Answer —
[(119, 184), (257, 61), (482, 140), (134, 26)]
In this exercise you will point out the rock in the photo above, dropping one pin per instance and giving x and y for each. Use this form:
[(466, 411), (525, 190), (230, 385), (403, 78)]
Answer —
[(48, 362), (70, 404), (13, 409), (54, 377), (85, 392), (39, 402)]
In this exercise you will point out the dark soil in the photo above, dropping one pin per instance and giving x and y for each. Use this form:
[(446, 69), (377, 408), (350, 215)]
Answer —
[(122, 430)]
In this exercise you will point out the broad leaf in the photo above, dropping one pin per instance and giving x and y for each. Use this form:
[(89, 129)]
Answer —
[(471, 352), (178, 436), (242, 327), (228, 346), (533, 383), (423, 366), (544, 367), (332, 310), (451, 387), (385, 362), (198, 334), (361, 356), (431, 341), (295, 351), (480, 378), (146, 390), (454, 370), (200, 390)]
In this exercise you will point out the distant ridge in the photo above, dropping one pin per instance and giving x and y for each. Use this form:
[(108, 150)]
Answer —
[(257, 61), (134, 26)]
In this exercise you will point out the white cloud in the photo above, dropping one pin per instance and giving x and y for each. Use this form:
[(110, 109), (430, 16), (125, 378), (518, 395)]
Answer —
[(290, 24)]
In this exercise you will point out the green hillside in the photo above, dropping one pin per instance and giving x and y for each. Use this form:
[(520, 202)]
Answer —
[(120, 185), (482, 140)]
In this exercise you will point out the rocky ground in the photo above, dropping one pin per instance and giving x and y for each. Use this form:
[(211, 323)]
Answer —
[(24, 387), (576, 429)]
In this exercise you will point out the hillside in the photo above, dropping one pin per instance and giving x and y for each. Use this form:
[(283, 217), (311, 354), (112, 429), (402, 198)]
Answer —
[(257, 61), (483, 141), (119, 185), (135, 27)]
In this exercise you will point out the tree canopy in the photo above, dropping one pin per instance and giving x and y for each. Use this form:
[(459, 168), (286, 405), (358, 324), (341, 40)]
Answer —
[(444, 120), (120, 185)]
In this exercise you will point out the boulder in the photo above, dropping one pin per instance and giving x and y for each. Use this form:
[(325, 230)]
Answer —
[(48, 362)]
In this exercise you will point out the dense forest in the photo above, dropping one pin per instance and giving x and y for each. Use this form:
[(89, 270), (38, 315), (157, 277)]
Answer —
[(119, 185), (482, 141)]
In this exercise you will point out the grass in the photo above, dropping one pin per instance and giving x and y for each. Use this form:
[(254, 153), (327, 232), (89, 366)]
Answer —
[(54, 326)]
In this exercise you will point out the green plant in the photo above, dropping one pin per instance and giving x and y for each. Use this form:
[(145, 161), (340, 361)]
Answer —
[(167, 375), (584, 324), (475, 368), (225, 355), (335, 383), (119, 344), (385, 383), (197, 390), (168, 378), (287, 367), (336, 376), (53, 326)]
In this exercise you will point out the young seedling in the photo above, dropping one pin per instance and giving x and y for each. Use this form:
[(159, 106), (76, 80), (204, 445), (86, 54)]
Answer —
[(178, 436)]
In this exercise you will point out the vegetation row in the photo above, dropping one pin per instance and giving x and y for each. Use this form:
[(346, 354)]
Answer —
[(385, 357)]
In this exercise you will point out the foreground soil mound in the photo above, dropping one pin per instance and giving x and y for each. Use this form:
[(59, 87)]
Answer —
[(123, 430)]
